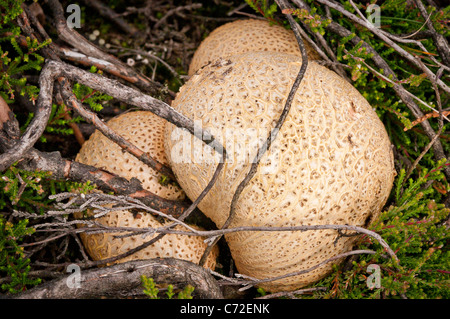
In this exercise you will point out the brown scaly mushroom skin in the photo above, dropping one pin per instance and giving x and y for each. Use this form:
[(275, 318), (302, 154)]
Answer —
[(331, 163), (145, 130), (243, 36)]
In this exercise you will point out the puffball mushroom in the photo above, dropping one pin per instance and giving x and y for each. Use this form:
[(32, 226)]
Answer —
[(331, 163), (145, 130), (243, 36)]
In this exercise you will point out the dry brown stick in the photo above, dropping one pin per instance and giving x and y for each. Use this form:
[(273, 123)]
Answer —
[(25, 19), (426, 117), (76, 130), (121, 279), (219, 232)]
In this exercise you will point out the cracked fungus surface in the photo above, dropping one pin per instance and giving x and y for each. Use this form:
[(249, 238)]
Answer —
[(243, 36), (145, 130), (331, 162)]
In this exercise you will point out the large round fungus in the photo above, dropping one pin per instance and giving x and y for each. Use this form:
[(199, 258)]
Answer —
[(331, 162), (244, 36), (145, 130)]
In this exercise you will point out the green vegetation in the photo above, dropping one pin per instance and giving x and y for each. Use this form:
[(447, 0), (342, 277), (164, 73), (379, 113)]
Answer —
[(14, 61), (13, 262), (152, 292)]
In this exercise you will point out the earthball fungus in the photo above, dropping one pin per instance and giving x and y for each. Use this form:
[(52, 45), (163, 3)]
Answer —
[(331, 163), (243, 36), (145, 130)]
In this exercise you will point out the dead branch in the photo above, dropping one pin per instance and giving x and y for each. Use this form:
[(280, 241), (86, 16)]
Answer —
[(123, 280), (426, 117), (96, 202)]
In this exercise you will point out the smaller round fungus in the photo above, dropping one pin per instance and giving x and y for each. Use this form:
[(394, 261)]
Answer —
[(243, 36), (145, 130)]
